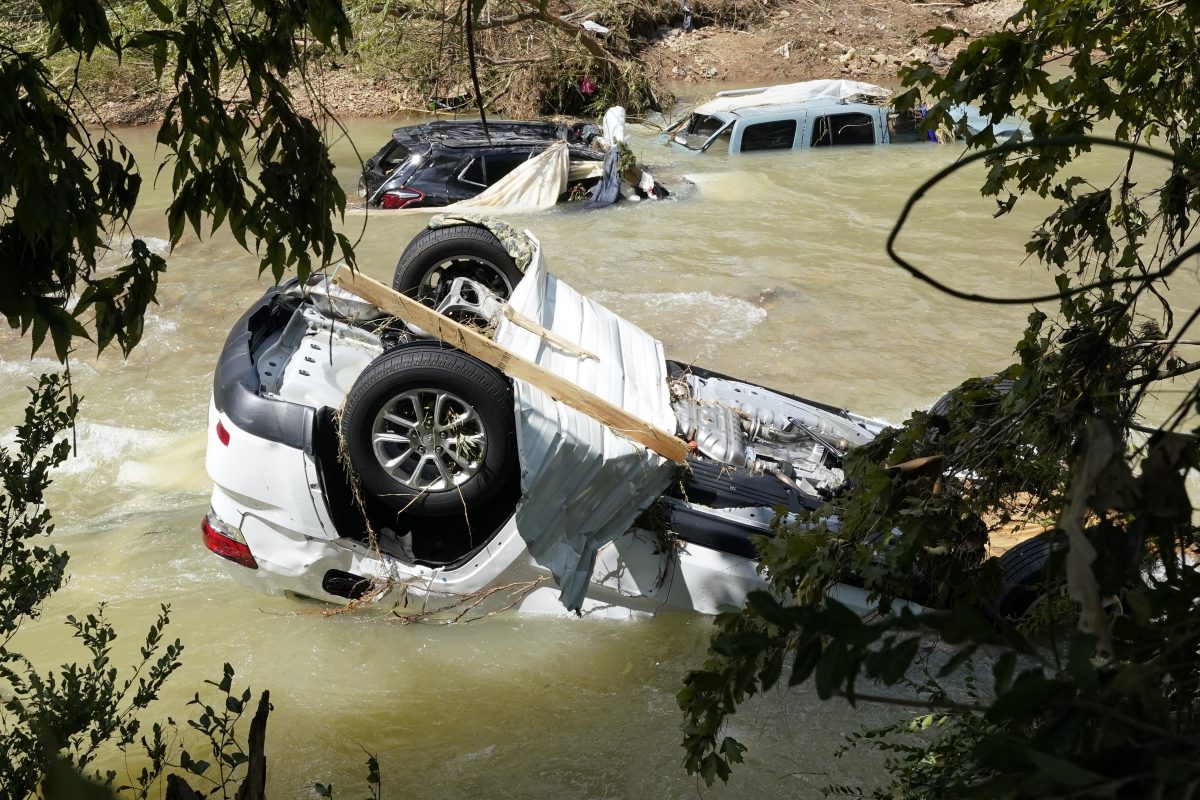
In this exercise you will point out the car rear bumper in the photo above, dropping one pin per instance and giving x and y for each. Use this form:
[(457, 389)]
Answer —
[(236, 384)]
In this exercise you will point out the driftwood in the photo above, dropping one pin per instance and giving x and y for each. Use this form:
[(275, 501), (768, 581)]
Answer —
[(254, 785), (590, 43), (178, 789)]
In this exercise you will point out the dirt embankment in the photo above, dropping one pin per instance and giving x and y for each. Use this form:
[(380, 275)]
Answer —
[(782, 41), (806, 39)]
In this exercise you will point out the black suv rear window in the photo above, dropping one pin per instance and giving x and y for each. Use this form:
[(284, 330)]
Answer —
[(489, 168), (498, 165), (393, 157)]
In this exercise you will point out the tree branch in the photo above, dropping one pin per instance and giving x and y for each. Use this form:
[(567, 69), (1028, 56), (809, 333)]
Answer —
[(500, 22), (589, 43), (913, 702), (1162, 375)]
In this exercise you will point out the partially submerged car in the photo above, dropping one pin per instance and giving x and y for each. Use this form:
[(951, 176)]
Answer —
[(821, 113), (444, 162), (352, 452), (514, 165)]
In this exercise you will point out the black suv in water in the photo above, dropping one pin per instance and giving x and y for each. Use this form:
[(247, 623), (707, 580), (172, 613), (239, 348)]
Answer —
[(442, 162)]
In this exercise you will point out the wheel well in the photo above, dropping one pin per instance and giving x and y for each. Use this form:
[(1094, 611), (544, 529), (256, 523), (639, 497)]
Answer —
[(436, 542)]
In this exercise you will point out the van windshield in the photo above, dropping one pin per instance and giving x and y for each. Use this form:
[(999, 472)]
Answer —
[(700, 129)]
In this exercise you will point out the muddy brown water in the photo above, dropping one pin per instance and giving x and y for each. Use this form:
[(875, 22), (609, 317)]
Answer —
[(770, 267)]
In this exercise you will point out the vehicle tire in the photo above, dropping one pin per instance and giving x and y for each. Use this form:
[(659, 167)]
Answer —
[(430, 431), (1002, 386), (438, 255), (1024, 570)]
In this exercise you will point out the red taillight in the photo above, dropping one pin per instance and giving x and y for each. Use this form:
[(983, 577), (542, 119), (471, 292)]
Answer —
[(223, 545), (222, 434), (401, 198)]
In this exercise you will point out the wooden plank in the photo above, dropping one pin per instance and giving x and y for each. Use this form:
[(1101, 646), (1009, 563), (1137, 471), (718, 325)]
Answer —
[(513, 365), (522, 321)]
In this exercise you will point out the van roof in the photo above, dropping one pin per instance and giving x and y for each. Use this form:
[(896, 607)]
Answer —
[(790, 96), (787, 110)]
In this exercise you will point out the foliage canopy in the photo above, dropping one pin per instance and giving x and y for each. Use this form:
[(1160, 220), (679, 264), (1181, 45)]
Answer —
[(235, 149), (1107, 704), (238, 152)]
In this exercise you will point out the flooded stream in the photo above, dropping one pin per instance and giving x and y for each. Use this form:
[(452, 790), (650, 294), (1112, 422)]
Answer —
[(769, 267)]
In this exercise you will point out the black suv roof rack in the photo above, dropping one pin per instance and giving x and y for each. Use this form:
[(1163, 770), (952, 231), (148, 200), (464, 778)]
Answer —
[(469, 133)]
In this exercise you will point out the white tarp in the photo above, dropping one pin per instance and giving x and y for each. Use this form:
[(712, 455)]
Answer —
[(614, 125), (791, 93), (533, 186), (583, 483)]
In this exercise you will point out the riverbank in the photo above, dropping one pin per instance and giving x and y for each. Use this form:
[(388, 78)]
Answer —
[(803, 40), (544, 70)]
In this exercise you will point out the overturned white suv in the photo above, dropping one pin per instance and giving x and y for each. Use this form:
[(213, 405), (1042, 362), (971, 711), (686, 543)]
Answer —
[(352, 452)]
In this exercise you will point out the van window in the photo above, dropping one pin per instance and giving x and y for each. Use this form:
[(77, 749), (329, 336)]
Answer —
[(777, 135), (906, 127), (839, 129), (701, 125), (701, 129), (721, 143)]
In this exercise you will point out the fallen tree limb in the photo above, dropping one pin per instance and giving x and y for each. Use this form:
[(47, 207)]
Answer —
[(587, 40)]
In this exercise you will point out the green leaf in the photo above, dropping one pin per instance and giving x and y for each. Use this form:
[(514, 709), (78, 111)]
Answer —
[(895, 662), (808, 654), (831, 668), (1028, 693), (160, 57), (770, 609), (160, 10), (732, 749)]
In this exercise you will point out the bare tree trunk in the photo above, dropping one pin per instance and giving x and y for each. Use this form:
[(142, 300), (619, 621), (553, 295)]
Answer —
[(178, 789), (254, 787)]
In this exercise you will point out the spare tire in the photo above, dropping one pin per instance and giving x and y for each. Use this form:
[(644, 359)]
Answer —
[(436, 256), (430, 431)]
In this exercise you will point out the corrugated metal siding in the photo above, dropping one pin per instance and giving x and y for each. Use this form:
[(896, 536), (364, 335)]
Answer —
[(584, 485)]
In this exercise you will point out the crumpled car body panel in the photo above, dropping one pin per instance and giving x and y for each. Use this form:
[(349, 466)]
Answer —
[(583, 483)]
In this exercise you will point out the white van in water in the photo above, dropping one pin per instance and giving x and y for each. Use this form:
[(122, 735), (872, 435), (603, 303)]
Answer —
[(823, 113)]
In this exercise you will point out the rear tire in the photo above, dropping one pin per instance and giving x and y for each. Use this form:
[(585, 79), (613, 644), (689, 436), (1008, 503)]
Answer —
[(1001, 386), (436, 256), (430, 431), (1024, 574)]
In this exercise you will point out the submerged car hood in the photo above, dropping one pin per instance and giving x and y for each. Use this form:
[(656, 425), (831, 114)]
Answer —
[(583, 484)]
